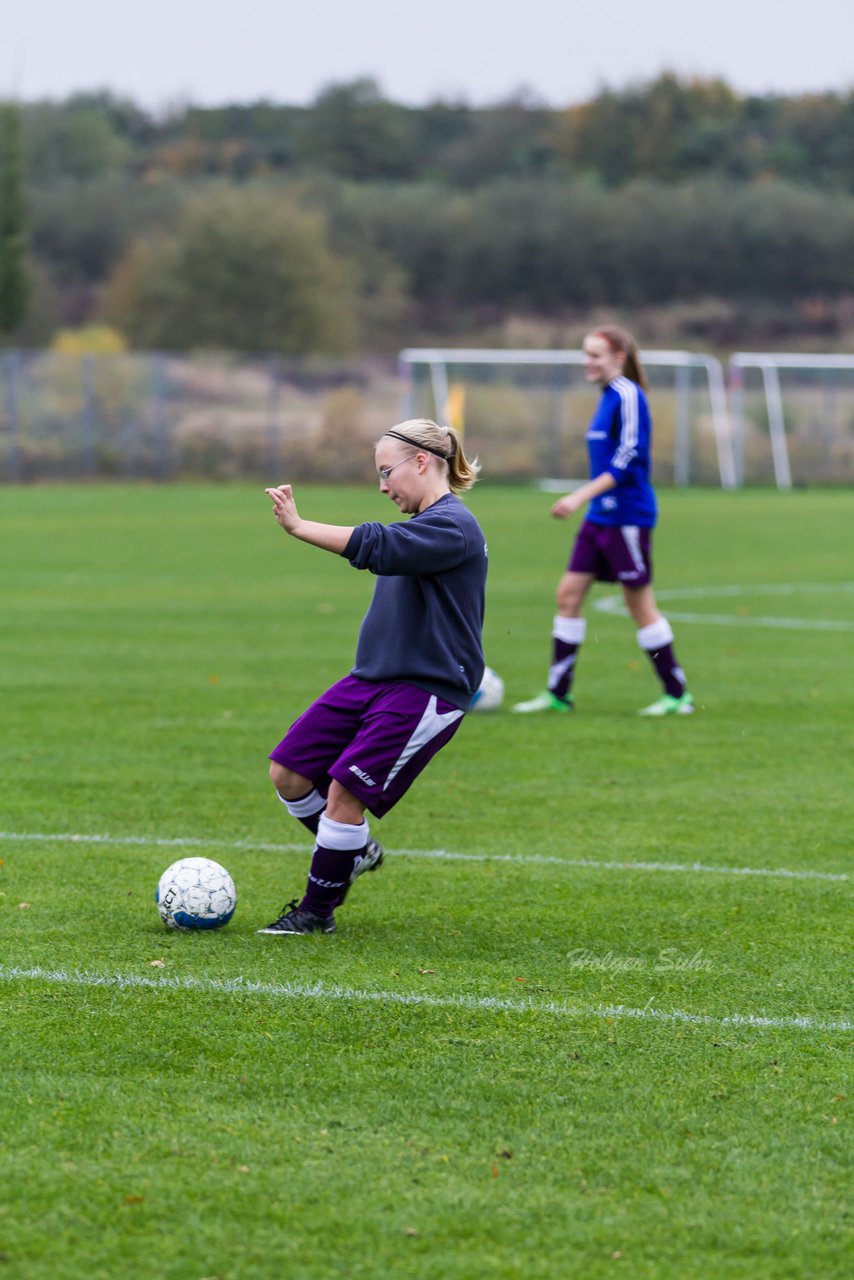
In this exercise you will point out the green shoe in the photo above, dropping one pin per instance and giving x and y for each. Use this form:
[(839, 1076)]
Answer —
[(545, 701), (670, 706)]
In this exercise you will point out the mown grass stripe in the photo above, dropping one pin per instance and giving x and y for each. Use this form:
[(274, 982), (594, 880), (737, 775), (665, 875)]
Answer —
[(498, 1004), (194, 842)]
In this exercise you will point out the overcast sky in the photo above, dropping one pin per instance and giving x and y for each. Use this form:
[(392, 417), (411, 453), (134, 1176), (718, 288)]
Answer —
[(164, 52)]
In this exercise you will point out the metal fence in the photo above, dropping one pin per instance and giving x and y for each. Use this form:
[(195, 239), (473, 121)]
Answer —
[(158, 417), (162, 417)]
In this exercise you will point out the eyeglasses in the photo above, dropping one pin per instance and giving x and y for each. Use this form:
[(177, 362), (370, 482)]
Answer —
[(385, 472)]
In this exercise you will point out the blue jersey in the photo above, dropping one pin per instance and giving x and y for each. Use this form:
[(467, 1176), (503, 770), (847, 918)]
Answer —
[(425, 620), (618, 441)]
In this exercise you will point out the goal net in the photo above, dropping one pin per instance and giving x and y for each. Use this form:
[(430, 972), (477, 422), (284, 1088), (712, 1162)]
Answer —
[(525, 412)]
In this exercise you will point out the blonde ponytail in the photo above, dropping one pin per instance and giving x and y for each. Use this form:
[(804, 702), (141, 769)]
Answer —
[(443, 443)]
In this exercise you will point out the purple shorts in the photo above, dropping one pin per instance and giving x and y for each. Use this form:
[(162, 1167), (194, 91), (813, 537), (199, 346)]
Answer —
[(374, 738), (613, 553)]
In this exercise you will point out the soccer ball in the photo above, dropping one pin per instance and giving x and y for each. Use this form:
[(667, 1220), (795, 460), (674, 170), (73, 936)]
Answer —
[(195, 893), (490, 695)]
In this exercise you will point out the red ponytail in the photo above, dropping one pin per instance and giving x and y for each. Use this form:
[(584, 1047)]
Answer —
[(619, 339)]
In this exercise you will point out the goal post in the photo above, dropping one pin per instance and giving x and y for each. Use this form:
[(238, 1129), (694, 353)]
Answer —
[(441, 378), (805, 418)]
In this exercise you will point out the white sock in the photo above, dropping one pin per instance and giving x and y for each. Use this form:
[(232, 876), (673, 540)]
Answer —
[(306, 806), (569, 630), (343, 836), (656, 635)]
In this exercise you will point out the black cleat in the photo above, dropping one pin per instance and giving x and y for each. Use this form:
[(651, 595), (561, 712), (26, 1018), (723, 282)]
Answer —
[(370, 859), (295, 920)]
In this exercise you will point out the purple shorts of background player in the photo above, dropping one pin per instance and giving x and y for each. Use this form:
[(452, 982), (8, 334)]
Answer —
[(373, 738), (613, 553)]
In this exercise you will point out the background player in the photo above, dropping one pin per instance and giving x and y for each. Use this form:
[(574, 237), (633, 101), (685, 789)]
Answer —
[(419, 661), (614, 542)]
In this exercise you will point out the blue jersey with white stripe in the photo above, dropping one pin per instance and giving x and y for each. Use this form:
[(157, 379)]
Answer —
[(618, 441)]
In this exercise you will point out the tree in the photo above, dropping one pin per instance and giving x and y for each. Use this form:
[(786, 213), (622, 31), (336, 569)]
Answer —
[(79, 138), (14, 283), (244, 271), (511, 138), (353, 131)]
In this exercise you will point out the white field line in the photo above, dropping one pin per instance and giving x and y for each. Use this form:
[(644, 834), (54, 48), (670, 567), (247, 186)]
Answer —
[(614, 605), (322, 991), (522, 859)]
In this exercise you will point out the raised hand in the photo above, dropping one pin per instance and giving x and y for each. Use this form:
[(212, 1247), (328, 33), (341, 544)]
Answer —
[(284, 507)]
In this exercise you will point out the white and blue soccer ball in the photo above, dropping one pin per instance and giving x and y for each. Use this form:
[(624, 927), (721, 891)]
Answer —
[(196, 893), (490, 695)]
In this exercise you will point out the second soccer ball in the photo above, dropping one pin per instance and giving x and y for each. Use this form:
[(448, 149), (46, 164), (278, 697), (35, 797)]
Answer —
[(490, 695)]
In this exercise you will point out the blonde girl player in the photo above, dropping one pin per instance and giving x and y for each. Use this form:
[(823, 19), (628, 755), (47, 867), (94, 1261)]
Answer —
[(419, 661), (614, 543)]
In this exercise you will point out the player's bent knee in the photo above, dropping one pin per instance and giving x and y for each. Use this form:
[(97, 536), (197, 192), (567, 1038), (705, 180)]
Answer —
[(287, 783)]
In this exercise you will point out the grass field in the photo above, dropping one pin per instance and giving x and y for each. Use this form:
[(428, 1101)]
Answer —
[(590, 1020)]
